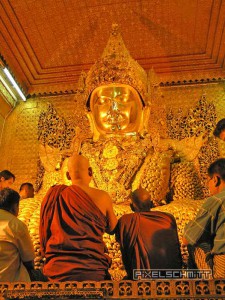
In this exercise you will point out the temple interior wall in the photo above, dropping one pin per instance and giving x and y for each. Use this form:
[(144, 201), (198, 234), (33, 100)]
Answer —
[(20, 150), (1, 123), (19, 144)]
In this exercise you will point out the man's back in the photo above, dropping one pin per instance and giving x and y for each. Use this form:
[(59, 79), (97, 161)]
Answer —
[(97, 196), (15, 247), (74, 249), (72, 222), (149, 240)]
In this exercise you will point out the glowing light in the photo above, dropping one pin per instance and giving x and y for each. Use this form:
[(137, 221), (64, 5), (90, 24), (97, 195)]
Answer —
[(7, 87), (15, 85)]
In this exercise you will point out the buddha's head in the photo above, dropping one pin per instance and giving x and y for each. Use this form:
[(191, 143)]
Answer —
[(116, 89), (115, 109)]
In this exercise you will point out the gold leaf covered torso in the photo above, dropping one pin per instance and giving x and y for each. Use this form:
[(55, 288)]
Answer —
[(115, 161)]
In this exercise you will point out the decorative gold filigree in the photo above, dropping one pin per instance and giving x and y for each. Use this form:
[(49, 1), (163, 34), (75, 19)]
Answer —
[(110, 151), (117, 66), (111, 164), (199, 119), (115, 162), (148, 289), (53, 130)]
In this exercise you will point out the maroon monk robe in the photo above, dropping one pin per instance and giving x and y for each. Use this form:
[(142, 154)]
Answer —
[(46, 214), (75, 249), (149, 240)]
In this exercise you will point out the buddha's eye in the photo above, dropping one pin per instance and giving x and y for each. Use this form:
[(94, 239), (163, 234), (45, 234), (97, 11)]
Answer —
[(122, 98), (102, 100)]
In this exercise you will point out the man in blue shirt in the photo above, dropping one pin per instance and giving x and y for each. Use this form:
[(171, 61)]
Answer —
[(206, 233)]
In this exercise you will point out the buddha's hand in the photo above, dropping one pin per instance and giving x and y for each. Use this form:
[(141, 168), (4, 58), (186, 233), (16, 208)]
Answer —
[(76, 141)]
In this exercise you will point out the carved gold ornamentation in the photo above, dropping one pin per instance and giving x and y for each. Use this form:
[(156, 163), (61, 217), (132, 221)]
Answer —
[(199, 119), (147, 289), (117, 66), (53, 130), (186, 182), (110, 151), (115, 161), (154, 176)]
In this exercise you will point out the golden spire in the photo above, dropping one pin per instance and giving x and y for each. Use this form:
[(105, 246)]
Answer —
[(117, 66)]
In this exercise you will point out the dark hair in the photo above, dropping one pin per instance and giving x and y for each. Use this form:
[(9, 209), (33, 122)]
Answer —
[(7, 175), (217, 167), (220, 126), (8, 197), (30, 185), (139, 204)]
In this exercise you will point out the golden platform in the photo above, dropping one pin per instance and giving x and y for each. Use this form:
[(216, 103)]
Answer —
[(151, 289)]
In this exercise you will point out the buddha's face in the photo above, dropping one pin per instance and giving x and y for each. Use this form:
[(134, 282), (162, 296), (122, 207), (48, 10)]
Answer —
[(116, 109)]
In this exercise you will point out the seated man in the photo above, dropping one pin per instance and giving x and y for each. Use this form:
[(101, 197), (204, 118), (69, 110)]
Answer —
[(6, 179), (148, 239), (16, 248), (26, 190), (220, 130), (73, 220), (205, 235)]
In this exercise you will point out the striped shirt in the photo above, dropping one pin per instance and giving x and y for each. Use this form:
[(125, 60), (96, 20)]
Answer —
[(209, 224)]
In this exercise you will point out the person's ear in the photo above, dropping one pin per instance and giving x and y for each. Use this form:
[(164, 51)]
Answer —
[(90, 173), (15, 209), (218, 181), (131, 206), (68, 175)]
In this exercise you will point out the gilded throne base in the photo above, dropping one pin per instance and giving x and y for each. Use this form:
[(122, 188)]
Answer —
[(154, 289)]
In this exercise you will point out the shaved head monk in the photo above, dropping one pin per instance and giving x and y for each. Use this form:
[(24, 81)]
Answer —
[(148, 239), (73, 220)]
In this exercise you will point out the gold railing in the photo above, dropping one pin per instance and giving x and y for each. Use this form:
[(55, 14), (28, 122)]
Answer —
[(151, 289)]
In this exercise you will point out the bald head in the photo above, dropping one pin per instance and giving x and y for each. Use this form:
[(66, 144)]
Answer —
[(141, 201), (79, 168)]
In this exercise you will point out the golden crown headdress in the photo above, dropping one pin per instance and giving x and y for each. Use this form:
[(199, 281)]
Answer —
[(117, 66)]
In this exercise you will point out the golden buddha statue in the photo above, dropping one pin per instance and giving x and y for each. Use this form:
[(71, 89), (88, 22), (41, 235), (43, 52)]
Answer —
[(126, 150), (118, 109), (126, 143)]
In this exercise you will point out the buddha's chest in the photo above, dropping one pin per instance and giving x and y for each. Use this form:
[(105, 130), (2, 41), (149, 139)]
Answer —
[(115, 161)]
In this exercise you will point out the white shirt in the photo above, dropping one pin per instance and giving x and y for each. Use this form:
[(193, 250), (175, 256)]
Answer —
[(15, 248)]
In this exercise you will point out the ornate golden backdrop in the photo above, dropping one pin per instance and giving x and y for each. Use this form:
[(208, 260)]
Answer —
[(46, 45)]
